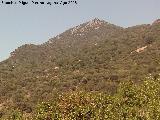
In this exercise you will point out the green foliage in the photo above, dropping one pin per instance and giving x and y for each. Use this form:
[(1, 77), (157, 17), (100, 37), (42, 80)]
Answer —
[(15, 115), (131, 102)]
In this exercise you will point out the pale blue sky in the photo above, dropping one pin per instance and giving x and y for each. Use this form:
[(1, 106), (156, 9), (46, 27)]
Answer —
[(37, 23)]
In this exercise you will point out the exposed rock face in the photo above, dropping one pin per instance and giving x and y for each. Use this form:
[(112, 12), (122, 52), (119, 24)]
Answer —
[(140, 49)]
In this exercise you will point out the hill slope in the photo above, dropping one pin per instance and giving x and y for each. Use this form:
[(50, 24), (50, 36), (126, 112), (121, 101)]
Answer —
[(93, 56)]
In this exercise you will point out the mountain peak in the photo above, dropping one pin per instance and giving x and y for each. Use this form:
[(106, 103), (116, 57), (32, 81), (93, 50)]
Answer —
[(96, 20), (86, 27)]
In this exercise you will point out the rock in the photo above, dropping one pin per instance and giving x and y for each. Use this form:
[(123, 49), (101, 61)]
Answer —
[(156, 22), (56, 68)]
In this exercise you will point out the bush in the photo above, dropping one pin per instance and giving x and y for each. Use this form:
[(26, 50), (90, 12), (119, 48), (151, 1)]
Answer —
[(130, 102)]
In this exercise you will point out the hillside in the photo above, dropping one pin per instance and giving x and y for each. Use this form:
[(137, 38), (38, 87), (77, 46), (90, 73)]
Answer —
[(93, 56)]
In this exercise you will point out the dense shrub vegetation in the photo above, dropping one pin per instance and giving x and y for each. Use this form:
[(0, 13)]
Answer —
[(131, 102)]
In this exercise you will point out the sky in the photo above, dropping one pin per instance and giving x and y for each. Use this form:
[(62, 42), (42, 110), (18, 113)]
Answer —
[(25, 24)]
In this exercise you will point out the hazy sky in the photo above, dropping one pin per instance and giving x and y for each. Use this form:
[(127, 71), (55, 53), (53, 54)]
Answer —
[(37, 23)]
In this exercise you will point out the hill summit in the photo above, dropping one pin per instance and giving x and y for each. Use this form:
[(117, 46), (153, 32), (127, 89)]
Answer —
[(93, 24)]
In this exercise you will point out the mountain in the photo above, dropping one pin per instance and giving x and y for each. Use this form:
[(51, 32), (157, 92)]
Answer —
[(93, 56)]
